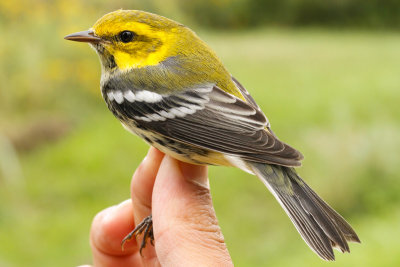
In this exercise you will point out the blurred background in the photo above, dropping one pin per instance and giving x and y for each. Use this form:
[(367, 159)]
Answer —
[(326, 73)]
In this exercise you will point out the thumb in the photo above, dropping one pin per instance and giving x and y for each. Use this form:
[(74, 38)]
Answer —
[(186, 229)]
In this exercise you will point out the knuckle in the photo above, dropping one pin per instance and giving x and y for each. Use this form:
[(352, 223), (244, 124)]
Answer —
[(198, 220)]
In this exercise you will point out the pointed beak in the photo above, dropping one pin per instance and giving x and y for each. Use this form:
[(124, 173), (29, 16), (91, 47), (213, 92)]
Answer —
[(84, 36)]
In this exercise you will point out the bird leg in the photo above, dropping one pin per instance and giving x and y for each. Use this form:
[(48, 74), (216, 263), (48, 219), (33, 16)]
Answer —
[(145, 227)]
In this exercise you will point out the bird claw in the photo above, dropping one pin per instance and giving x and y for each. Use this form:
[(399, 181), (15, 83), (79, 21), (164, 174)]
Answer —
[(145, 227)]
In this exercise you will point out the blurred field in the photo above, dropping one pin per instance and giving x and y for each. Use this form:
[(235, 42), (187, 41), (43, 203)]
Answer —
[(334, 95)]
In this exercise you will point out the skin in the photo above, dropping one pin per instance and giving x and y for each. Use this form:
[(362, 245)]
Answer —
[(164, 187)]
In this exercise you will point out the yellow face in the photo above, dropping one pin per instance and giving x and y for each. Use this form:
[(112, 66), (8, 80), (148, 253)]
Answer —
[(134, 39)]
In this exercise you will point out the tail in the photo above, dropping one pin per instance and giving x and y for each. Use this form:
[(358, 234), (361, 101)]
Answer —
[(321, 227)]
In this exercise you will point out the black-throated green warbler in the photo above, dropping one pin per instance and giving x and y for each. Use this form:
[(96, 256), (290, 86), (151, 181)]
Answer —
[(167, 86)]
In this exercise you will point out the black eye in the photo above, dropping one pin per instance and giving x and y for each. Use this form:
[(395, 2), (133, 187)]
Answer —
[(126, 36)]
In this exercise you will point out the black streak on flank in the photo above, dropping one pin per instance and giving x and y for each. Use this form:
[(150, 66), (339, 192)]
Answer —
[(147, 139), (160, 142)]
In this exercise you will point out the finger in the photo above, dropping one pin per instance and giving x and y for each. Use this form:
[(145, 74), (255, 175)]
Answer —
[(142, 184), (185, 225), (141, 192), (108, 229)]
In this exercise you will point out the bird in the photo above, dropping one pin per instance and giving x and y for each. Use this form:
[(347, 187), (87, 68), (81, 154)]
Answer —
[(170, 88)]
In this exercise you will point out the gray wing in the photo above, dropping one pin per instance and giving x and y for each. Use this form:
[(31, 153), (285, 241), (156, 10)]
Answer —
[(250, 100), (210, 118)]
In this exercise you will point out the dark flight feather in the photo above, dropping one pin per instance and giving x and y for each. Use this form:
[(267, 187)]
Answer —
[(321, 227)]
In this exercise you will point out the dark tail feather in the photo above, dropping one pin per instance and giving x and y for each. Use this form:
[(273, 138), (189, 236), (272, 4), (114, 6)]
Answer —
[(321, 227)]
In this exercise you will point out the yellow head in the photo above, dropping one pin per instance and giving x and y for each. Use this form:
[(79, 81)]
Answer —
[(155, 50), (132, 38)]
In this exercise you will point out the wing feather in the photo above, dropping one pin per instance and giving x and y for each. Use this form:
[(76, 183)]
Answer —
[(210, 118)]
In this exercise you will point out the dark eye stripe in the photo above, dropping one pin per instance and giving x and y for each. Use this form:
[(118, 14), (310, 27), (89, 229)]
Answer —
[(126, 36)]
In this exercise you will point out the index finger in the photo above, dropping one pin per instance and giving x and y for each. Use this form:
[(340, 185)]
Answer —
[(141, 191)]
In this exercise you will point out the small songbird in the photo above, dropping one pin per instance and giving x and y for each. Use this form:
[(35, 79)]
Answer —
[(167, 86)]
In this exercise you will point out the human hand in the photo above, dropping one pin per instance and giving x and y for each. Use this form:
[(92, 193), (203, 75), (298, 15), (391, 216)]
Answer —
[(186, 229)]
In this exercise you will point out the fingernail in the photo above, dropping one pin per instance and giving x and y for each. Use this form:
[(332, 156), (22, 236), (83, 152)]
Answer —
[(111, 211), (197, 174), (123, 203), (150, 154), (147, 156)]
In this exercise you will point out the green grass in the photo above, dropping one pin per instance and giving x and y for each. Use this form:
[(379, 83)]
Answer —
[(332, 95)]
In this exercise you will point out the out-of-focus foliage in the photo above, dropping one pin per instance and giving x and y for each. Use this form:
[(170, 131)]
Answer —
[(338, 13), (33, 55), (332, 94)]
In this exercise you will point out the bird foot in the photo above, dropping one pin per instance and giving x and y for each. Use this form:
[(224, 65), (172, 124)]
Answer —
[(145, 227)]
